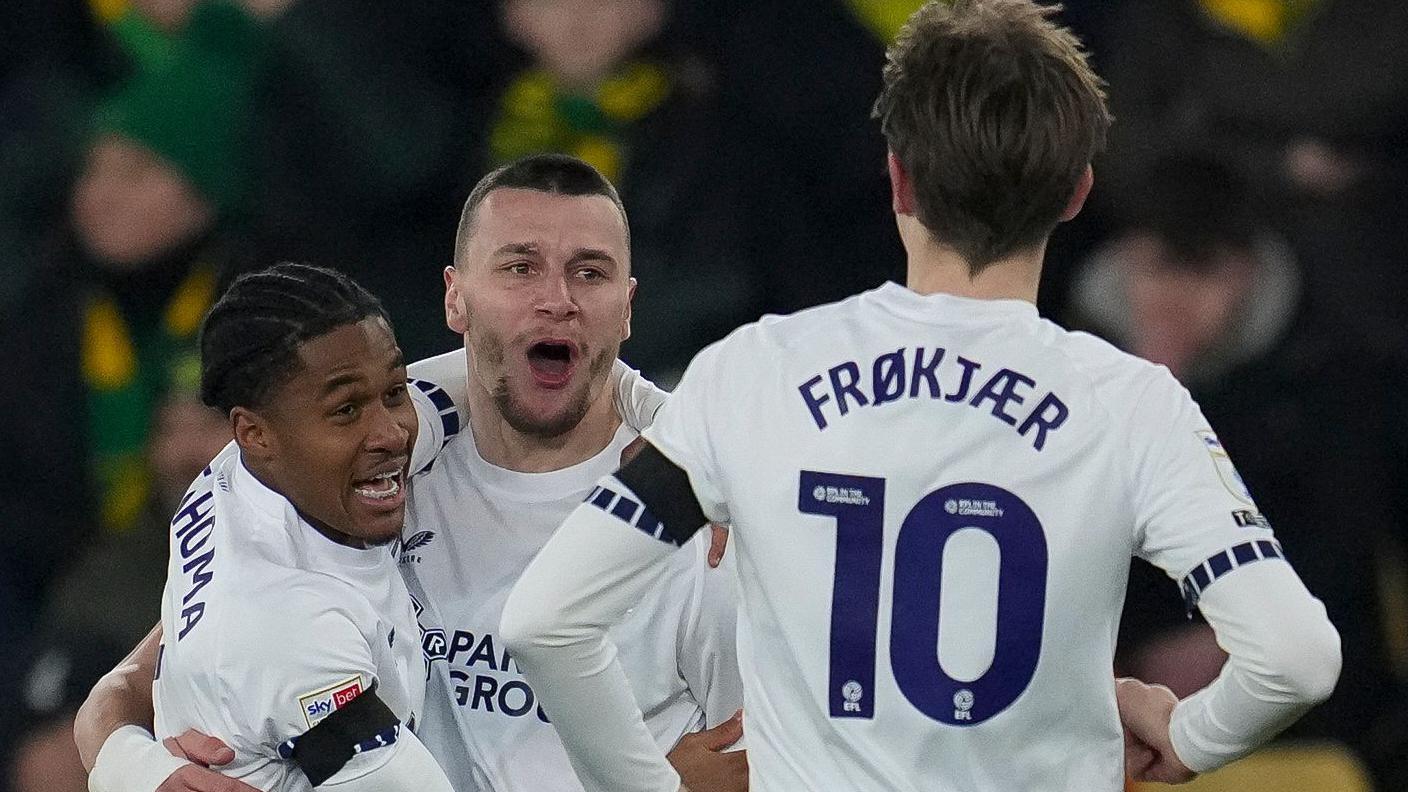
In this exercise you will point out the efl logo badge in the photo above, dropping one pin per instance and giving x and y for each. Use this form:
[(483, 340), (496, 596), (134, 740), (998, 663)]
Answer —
[(322, 703), (1231, 479)]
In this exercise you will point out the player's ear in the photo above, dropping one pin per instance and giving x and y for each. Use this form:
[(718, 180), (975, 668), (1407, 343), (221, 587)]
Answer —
[(626, 319), (251, 432), (454, 307), (901, 188), (1082, 191)]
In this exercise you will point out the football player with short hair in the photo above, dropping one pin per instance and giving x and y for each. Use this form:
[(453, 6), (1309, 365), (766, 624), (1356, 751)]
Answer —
[(287, 630), (935, 493)]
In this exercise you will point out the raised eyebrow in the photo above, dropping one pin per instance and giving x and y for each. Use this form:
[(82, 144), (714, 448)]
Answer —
[(518, 248), (591, 254), (344, 380)]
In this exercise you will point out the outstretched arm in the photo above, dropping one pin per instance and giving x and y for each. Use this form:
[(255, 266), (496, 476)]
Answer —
[(113, 733), (122, 697), (603, 559)]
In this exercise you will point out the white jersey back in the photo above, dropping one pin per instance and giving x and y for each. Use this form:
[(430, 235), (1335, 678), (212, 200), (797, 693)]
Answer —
[(269, 627), (471, 529), (934, 503)]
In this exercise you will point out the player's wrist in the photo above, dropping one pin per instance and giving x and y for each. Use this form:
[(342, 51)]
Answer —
[(132, 760), (1183, 745)]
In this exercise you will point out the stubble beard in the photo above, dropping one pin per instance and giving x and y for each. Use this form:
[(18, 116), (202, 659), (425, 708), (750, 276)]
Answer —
[(524, 421)]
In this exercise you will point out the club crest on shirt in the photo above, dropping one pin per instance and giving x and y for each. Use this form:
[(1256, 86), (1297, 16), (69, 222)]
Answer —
[(1231, 479), (321, 703), (406, 553)]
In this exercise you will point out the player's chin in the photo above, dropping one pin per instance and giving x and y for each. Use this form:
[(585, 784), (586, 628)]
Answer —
[(377, 521), (381, 527)]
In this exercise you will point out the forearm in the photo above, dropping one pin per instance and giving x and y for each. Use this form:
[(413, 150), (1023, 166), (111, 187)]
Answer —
[(1283, 659), (555, 621), (122, 697)]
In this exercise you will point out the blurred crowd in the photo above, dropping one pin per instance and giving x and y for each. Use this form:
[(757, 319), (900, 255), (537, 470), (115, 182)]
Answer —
[(1249, 230)]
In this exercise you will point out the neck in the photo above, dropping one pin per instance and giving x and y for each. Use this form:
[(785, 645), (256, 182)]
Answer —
[(936, 269), (266, 477), (501, 445)]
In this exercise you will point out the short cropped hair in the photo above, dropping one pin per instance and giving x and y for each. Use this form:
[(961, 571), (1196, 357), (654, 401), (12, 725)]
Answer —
[(250, 339), (558, 174), (994, 113)]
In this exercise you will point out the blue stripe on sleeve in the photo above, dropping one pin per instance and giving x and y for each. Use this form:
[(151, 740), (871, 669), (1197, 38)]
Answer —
[(1197, 581), (629, 511)]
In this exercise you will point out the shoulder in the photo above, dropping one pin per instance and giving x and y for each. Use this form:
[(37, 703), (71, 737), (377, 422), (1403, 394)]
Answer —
[(1118, 380), (439, 370), (776, 333), (793, 329)]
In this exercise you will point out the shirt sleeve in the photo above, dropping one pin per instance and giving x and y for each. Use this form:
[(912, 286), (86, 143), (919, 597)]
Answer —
[(1195, 518), (598, 564), (282, 672), (439, 392), (681, 430), (637, 398), (708, 641), (1283, 659), (406, 765), (1199, 523)]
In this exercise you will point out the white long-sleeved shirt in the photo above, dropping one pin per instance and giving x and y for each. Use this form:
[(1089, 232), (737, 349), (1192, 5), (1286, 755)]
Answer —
[(934, 501)]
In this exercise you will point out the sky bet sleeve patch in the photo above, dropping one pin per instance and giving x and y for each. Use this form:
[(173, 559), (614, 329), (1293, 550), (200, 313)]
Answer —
[(321, 703)]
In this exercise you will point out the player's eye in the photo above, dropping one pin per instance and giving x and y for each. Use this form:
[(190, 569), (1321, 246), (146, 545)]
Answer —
[(519, 268), (591, 274), (395, 395), (346, 412)]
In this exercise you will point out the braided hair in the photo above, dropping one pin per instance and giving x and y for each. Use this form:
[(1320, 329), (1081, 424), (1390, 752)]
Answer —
[(250, 339)]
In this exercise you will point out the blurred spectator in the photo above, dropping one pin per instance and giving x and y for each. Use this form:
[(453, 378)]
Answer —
[(37, 753), (111, 313), (1308, 99), (370, 129), (804, 75), (1199, 282), (58, 58), (609, 82), (114, 588)]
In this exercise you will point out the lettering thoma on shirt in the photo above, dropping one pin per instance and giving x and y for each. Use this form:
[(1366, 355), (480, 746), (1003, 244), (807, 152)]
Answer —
[(269, 627)]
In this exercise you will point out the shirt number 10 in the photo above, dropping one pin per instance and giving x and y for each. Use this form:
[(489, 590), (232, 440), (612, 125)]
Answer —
[(857, 505)]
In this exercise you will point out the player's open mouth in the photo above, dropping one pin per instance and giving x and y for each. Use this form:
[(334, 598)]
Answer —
[(384, 489), (552, 362)]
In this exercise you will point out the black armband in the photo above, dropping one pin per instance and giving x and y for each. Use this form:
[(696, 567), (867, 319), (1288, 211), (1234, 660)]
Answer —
[(363, 724), (668, 498)]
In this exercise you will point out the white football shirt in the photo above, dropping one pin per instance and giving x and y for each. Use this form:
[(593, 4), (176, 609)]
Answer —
[(471, 529), (269, 627), (935, 501)]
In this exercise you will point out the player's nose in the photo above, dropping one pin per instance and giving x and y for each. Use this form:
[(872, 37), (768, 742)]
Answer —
[(554, 299), (386, 432)]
